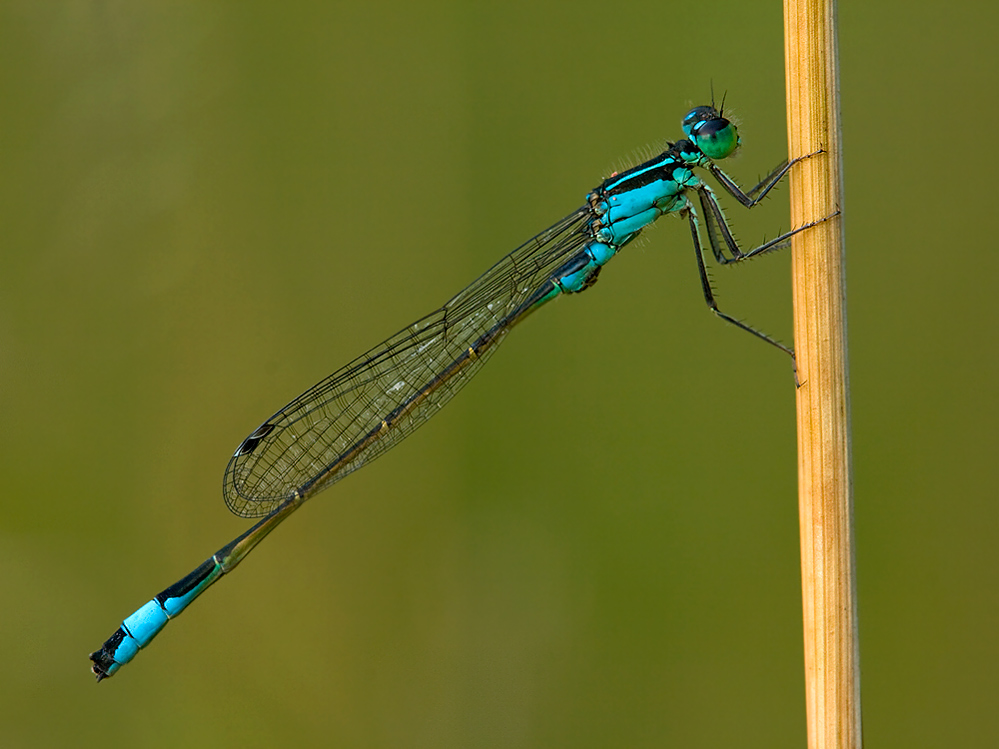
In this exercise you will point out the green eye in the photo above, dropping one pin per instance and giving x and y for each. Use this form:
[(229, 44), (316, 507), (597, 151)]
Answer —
[(717, 138)]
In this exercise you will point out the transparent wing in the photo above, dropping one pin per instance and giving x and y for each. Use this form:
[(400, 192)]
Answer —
[(340, 424)]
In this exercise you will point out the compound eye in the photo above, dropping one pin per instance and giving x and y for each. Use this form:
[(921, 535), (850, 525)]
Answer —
[(717, 138), (696, 116)]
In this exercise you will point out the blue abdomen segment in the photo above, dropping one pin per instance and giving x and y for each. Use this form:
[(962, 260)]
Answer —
[(581, 271), (139, 629)]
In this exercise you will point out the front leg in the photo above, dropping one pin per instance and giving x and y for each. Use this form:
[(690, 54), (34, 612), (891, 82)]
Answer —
[(755, 195)]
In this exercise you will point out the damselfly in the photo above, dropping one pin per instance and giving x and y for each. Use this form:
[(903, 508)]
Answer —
[(370, 405)]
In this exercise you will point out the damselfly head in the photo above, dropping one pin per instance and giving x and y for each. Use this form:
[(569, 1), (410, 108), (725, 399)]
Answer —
[(716, 137)]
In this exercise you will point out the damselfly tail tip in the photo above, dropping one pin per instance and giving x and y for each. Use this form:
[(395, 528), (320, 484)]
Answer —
[(97, 667)]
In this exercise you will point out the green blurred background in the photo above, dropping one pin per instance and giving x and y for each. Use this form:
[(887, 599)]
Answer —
[(206, 207)]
